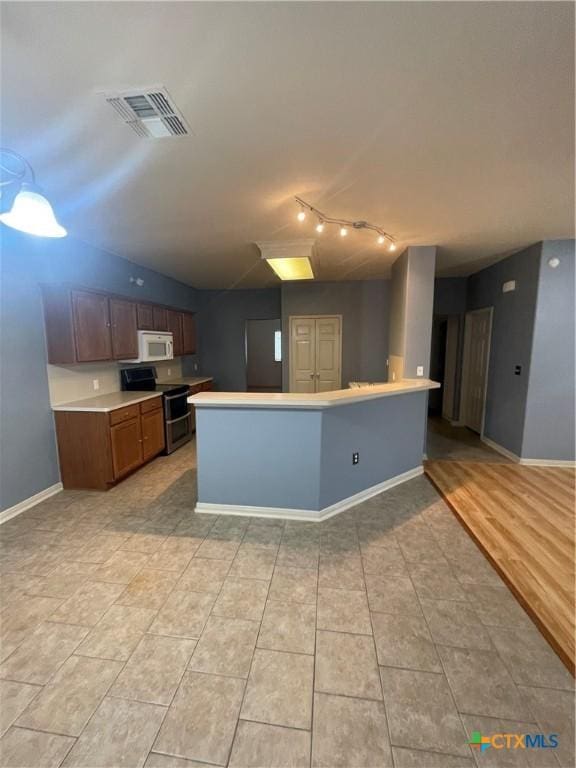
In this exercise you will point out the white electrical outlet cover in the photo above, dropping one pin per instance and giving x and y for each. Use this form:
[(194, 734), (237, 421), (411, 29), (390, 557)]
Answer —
[(96, 383), (509, 286), (420, 370)]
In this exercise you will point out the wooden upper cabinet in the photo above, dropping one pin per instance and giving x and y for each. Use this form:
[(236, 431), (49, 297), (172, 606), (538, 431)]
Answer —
[(84, 326), (160, 315), (91, 318), (124, 329), (175, 328), (145, 317), (188, 334)]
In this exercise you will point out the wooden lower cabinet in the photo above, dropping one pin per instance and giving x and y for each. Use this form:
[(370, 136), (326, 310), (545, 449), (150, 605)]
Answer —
[(152, 433), (96, 450), (126, 444)]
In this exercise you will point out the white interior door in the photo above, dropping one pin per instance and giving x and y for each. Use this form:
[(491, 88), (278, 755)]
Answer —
[(328, 354), (476, 356), (302, 354), (315, 353)]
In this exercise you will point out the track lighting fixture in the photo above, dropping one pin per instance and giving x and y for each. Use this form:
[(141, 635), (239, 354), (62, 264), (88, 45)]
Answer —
[(344, 224), (23, 206)]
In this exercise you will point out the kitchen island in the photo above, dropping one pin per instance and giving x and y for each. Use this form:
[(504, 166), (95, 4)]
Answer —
[(307, 456)]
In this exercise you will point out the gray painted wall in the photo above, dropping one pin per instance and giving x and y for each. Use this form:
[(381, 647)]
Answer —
[(419, 303), (222, 322), (549, 414), (303, 459), (450, 295), (364, 308), (411, 301), (512, 332), (397, 328), (28, 458)]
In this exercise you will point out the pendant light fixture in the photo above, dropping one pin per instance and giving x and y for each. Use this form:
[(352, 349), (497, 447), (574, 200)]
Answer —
[(344, 225), (30, 211)]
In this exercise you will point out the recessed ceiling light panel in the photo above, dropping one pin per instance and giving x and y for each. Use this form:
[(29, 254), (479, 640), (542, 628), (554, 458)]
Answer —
[(150, 112)]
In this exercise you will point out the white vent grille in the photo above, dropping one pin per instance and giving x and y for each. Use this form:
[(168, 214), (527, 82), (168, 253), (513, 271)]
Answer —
[(150, 112)]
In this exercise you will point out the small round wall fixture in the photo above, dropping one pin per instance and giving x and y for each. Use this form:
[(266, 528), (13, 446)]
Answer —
[(23, 205), (553, 262), (344, 225)]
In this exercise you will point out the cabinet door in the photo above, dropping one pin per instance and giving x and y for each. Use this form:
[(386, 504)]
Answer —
[(126, 442), (145, 317), (152, 433), (91, 319), (188, 334), (175, 328), (124, 329), (160, 315)]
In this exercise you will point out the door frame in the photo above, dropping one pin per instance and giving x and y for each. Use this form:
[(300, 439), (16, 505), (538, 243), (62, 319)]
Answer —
[(291, 318), (465, 366)]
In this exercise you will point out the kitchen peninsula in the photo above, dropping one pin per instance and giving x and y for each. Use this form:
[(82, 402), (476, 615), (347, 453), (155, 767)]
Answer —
[(307, 456)]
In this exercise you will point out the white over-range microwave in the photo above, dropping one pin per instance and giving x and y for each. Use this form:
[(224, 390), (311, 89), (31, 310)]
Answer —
[(153, 347)]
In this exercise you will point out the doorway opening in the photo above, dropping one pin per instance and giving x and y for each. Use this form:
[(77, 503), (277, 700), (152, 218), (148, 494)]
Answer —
[(460, 356), (263, 342)]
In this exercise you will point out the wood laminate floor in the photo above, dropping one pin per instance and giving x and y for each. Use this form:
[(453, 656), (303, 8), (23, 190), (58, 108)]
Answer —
[(523, 519)]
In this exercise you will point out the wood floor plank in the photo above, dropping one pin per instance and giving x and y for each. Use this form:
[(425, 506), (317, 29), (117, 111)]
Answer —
[(523, 518)]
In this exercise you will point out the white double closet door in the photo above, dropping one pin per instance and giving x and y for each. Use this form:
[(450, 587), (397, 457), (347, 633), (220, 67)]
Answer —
[(315, 353)]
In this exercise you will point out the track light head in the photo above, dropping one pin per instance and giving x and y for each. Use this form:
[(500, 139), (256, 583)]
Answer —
[(301, 214), (343, 231), (392, 247), (320, 227)]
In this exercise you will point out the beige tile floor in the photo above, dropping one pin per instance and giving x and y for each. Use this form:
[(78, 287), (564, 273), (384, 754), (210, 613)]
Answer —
[(134, 633)]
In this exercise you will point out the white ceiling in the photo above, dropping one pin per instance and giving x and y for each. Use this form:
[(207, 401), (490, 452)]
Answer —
[(448, 124)]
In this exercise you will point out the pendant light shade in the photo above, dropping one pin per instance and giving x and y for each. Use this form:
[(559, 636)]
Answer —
[(32, 213)]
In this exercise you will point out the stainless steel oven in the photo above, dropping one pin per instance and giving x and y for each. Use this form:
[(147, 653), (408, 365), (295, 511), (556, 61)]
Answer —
[(178, 418)]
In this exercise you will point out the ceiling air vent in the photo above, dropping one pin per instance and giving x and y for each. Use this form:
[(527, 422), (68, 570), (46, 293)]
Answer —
[(150, 112)]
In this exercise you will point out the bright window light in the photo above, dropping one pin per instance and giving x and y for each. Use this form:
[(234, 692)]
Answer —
[(277, 346)]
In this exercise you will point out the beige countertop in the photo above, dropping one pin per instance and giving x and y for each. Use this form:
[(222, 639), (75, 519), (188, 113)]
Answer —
[(309, 400), (192, 381), (106, 403)]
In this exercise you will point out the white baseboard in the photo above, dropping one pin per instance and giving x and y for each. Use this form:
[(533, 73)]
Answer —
[(527, 462), (548, 463), (314, 515), (31, 501), (500, 449)]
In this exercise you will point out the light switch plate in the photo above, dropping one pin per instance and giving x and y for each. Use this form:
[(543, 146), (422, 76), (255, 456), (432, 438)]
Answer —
[(509, 286), (96, 383), (420, 370)]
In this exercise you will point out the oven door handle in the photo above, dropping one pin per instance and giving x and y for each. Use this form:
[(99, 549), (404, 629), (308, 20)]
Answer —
[(175, 397), (180, 418)]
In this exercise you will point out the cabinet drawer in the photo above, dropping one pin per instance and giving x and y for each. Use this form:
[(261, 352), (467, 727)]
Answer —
[(151, 405), (123, 414)]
